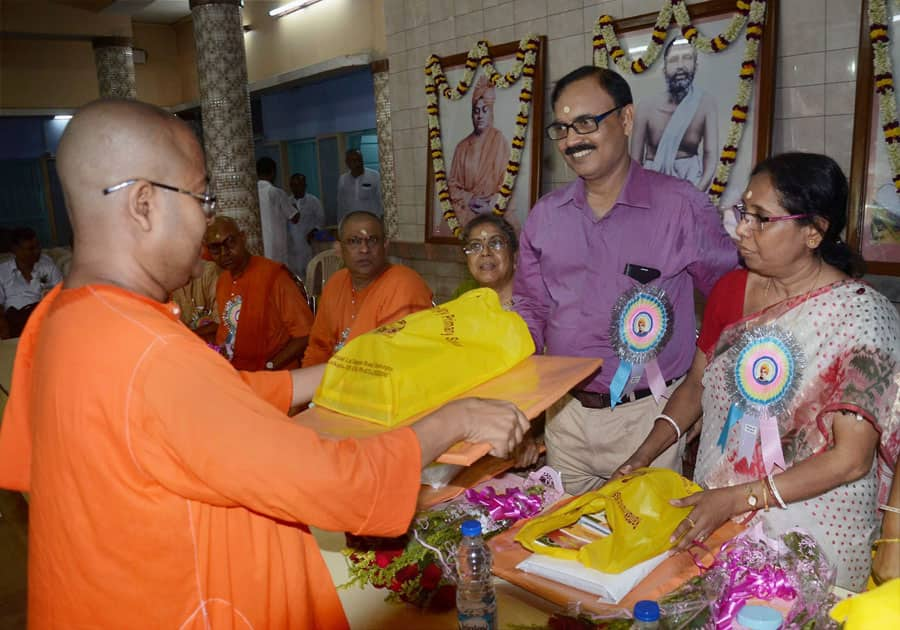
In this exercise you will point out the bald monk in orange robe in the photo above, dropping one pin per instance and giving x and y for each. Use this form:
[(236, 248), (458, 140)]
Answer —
[(167, 489), (480, 160), (264, 319), (368, 293)]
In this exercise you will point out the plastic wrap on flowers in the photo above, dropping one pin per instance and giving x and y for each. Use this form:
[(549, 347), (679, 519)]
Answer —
[(790, 572), (418, 568)]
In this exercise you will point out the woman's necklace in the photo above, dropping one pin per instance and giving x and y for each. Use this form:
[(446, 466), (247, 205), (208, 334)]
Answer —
[(811, 288)]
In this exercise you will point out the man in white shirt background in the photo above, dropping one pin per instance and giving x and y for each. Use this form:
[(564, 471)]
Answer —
[(24, 280), (300, 234), (359, 189), (275, 210)]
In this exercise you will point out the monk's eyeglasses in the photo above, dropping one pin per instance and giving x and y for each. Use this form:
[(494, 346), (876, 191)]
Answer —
[(581, 125), (355, 242), (496, 243), (755, 222), (207, 201)]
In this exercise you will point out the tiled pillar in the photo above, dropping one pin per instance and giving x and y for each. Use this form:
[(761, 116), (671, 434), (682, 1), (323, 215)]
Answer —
[(225, 109), (115, 67), (385, 145)]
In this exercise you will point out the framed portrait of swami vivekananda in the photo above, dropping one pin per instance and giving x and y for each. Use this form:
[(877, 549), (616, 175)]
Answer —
[(485, 116), (699, 94), (873, 224)]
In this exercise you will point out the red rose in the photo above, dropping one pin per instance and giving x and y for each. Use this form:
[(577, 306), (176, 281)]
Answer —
[(407, 573), (431, 577), (384, 558), (444, 598)]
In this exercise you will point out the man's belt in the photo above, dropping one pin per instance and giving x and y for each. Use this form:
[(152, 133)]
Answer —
[(600, 400)]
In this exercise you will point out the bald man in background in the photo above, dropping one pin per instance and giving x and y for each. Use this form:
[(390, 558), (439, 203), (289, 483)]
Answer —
[(167, 489)]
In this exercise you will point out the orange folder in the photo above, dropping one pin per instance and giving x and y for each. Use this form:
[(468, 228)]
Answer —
[(533, 385)]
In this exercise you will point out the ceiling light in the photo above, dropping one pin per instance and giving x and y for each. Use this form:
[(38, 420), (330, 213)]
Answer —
[(63, 117), (290, 7)]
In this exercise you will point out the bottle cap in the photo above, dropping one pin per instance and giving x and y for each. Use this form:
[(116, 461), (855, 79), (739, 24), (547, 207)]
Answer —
[(759, 618), (646, 610), (471, 528)]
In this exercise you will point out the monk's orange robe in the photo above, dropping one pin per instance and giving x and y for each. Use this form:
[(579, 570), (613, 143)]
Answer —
[(273, 311), (396, 293), (165, 492)]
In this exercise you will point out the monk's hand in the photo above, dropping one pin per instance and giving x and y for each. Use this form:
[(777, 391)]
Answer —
[(497, 422), (711, 508)]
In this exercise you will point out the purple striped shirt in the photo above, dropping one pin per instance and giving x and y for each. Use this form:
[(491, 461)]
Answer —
[(571, 265)]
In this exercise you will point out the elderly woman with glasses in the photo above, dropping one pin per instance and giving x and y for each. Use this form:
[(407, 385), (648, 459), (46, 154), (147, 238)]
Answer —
[(794, 377), (491, 246)]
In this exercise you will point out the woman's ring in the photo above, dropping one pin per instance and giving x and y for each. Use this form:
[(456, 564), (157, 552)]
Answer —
[(691, 521)]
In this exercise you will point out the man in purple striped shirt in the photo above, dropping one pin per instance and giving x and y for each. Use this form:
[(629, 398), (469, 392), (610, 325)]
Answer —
[(591, 241)]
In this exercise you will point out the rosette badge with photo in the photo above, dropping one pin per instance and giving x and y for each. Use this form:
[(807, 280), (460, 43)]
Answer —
[(767, 367), (641, 326)]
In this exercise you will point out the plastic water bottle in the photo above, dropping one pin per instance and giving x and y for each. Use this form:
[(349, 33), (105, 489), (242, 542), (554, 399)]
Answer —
[(646, 615), (476, 603)]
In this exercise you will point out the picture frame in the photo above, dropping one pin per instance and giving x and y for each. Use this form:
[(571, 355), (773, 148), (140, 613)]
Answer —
[(456, 123), (711, 71), (869, 222)]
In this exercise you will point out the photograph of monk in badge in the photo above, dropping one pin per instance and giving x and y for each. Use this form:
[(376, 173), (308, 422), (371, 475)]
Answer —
[(676, 131)]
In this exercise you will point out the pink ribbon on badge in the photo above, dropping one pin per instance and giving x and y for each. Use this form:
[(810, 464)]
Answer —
[(770, 442), (655, 380), (514, 504)]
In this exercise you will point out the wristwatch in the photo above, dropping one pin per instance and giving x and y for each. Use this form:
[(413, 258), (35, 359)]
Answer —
[(752, 499), (270, 365)]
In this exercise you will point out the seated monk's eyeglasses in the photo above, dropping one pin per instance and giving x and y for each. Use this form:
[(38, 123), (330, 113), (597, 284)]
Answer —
[(496, 243), (754, 221), (207, 201), (581, 125), (355, 242), (229, 242)]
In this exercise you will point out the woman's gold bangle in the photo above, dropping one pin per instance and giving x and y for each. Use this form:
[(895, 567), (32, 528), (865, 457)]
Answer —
[(885, 540)]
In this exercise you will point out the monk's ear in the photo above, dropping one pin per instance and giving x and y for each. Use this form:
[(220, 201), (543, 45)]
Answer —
[(141, 204)]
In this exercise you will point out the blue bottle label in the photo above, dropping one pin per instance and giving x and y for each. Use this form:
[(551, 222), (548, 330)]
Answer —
[(477, 622)]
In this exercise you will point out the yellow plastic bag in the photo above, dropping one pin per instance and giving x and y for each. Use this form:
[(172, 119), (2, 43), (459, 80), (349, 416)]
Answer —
[(878, 608), (639, 516), (424, 359)]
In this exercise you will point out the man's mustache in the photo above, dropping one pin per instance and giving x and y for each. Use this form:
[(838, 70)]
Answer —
[(584, 146)]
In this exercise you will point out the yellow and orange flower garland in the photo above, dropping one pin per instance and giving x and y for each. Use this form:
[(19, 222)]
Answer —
[(751, 13), (436, 81), (884, 83)]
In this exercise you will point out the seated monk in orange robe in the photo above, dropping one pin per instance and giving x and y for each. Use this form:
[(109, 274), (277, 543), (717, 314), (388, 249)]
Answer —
[(479, 161), (368, 293), (264, 320)]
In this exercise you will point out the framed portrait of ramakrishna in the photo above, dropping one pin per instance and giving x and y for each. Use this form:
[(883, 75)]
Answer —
[(873, 224), (683, 101), (480, 137)]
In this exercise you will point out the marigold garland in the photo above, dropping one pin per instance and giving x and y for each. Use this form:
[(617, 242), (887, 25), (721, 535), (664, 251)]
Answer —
[(879, 34), (749, 13), (436, 83)]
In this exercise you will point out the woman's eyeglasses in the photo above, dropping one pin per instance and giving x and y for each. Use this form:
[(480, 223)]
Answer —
[(756, 222), (476, 247), (207, 201)]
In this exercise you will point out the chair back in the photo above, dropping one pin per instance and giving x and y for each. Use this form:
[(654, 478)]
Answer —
[(318, 271)]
